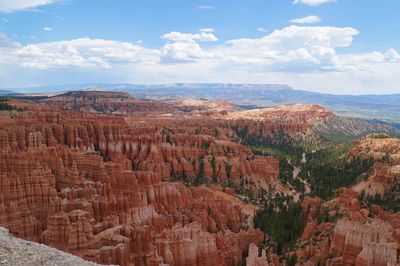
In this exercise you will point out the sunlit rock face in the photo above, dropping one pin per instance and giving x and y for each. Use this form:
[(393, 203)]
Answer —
[(372, 243)]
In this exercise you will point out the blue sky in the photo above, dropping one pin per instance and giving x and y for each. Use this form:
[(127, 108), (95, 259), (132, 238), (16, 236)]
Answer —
[(342, 46)]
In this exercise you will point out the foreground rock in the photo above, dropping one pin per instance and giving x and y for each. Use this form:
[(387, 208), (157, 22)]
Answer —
[(18, 252)]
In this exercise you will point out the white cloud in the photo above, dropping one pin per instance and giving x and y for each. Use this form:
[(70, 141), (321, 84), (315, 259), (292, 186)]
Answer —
[(300, 36), (306, 20), (209, 30), (47, 29), (6, 42), (188, 37), (313, 2), (262, 29), (294, 48), (184, 47), (205, 7), (8, 6), (83, 53), (183, 51), (392, 56), (305, 57)]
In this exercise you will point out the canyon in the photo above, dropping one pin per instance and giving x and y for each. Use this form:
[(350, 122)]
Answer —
[(119, 180)]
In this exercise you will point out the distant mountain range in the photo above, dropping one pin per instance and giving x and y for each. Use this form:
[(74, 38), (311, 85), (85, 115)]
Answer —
[(383, 107), (5, 92)]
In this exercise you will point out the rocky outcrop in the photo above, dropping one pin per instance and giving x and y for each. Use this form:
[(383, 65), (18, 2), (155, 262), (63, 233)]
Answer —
[(253, 259), (384, 155), (377, 148), (302, 113), (18, 252), (372, 243)]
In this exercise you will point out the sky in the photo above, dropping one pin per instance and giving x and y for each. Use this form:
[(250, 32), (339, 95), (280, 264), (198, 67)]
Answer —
[(330, 46)]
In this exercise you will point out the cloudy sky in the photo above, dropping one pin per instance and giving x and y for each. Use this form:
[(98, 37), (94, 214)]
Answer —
[(334, 46)]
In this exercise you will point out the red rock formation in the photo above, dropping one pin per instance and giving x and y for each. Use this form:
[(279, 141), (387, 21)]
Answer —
[(365, 244), (253, 259), (311, 206), (377, 148), (99, 187), (27, 194), (106, 187)]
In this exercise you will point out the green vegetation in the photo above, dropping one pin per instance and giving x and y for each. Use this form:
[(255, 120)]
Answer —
[(278, 139), (329, 168), (378, 136), (326, 169), (228, 169), (213, 166), (292, 260), (197, 180), (290, 152), (4, 106), (283, 221), (390, 201), (338, 138), (182, 177), (245, 188), (289, 157), (200, 178)]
